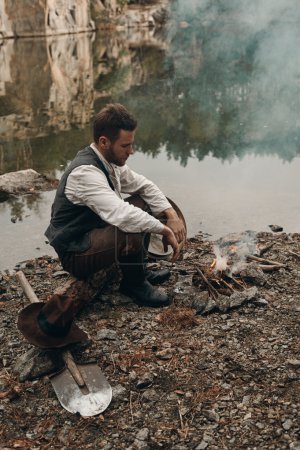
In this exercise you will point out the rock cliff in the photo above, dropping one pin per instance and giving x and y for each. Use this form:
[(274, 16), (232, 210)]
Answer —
[(52, 17), (44, 17)]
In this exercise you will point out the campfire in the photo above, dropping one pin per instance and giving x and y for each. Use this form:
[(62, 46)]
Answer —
[(227, 272)]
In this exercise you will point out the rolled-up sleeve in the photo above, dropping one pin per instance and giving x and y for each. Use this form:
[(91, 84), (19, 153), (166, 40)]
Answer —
[(87, 185)]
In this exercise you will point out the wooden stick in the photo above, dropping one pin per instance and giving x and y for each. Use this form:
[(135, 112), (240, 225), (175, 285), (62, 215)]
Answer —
[(237, 282), (265, 261), (71, 365), (180, 416), (28, 291), (130, 406), (268, 268), (294, 253), (228, 285), (265, 248), (214, 291)]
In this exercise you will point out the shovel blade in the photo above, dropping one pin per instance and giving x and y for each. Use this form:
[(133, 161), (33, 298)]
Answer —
[(88, 401)]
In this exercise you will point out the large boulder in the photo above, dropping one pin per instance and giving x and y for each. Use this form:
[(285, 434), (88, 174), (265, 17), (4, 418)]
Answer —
[(24, 181)]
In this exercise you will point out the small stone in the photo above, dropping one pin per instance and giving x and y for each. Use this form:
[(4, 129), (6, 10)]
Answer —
[(287, 424), (212, 415), (276, 228), (150, 395), (60, 273), (144, 381), (106, 333), (165, 354), (294, 362), (37, 362), (202, 445), (200, 302), (295, 446), (260, 302), (132, 376), (119, 392), (209, 307), (143, 434)]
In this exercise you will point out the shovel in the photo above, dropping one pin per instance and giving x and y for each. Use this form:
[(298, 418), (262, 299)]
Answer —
[(80, 388)]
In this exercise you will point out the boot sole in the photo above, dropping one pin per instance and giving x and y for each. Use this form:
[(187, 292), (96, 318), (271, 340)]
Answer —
[(144, 303)]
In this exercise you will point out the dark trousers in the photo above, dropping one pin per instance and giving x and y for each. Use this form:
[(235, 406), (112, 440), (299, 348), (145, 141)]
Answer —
[(110, 245)]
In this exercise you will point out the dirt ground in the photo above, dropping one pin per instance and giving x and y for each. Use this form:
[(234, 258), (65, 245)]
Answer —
[(224, 380)]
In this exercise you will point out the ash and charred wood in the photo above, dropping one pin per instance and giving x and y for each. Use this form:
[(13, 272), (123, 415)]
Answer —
[(269, 268), (265, 261), (264, 248), (213, 291)]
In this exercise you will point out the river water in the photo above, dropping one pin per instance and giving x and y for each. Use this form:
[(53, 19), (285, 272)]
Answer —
[(217, 97)]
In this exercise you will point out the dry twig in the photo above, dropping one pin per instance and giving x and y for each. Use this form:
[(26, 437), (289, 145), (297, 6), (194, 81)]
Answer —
[(294, 254), (265, 261), (269, 268), (130, 406), (213, 291), (227, 285), (263, 249)]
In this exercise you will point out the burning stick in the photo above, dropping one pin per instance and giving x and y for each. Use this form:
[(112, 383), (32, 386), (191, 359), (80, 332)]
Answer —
[(213, 264), (227, 285), (265, 261), (237, 282), (213, 291)]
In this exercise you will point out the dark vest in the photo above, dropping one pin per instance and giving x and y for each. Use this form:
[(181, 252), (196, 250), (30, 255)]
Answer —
[(70, 224)]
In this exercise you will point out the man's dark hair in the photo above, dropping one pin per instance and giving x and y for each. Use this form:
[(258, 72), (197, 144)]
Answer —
[(111, 119)]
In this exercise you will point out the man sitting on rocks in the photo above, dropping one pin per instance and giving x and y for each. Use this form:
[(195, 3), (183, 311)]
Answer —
[(92, 226)]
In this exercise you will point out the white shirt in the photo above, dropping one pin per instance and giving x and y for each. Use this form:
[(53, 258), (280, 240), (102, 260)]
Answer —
[(87, 185)]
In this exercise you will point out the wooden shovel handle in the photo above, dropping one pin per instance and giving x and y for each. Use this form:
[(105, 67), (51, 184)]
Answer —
[(71, 365), (28, 291), (67, 357)]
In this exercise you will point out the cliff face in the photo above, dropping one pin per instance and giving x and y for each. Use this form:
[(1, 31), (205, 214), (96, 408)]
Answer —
[(51, 17), (46, 86), (44, 17), (49, 85), (124, 14)]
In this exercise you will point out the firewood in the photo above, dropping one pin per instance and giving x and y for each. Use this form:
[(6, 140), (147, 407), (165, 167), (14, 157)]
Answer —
[(294, 254), (265, 261), (227, 285), (237, 282), (213, 291), (268, 268), (265, 248)]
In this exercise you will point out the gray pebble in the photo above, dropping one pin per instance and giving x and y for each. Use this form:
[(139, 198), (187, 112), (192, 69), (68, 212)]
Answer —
[(106, 333), (287, 424), (202, 445)]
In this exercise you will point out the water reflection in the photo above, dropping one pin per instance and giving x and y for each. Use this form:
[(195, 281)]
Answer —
[(220, 83), (20, 205), (223, 80)]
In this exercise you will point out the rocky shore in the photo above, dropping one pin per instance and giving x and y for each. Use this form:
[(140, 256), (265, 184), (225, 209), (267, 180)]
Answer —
[(204, 373)]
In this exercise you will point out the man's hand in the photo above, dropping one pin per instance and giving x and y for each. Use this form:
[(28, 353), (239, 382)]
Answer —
[(170, 239), (175, 224)]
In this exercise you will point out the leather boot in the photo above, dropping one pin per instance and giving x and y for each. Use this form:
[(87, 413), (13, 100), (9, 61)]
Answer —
[(135, 285), (144, 294), (157, 276)]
